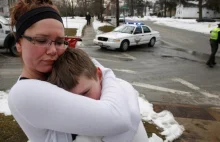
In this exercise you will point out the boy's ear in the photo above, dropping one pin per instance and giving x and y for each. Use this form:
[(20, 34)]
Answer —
[(99, 74)]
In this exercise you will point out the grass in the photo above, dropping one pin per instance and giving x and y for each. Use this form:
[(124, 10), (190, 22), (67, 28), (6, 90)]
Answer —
[(70, 31), (11, 132), (106, 28)]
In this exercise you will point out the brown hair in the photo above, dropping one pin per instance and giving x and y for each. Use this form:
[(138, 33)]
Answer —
[(22, 6), (70, 66)]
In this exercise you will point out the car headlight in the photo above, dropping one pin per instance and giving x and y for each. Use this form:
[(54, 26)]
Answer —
[(114, 40)]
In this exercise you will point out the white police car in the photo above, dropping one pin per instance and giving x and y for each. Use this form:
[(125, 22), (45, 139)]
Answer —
[(129, 34)]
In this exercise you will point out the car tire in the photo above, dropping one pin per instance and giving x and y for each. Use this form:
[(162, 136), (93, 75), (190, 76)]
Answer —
[(10, 44), (13, 49), (102, 47), (152, 42), (124, 45)]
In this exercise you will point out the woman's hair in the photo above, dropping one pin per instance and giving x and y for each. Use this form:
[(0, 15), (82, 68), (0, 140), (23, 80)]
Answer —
[(22, 6)]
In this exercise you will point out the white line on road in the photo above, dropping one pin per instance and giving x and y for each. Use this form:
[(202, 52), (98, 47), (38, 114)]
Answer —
[(126, 71), (129, 56), (148, 86), (190, 85), (209, 94), (10, 71), (101, 59)]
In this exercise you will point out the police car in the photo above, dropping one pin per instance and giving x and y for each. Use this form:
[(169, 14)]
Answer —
[(129, 34)]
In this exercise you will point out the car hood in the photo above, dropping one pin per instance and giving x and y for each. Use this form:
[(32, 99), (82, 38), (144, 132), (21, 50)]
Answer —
[(114, 35)]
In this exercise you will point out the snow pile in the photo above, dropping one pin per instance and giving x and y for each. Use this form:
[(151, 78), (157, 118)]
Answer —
[(4, 103), (76, 22), (164, 120)]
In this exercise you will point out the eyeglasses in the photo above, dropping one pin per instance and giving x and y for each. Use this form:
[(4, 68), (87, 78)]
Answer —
[(46, 42)]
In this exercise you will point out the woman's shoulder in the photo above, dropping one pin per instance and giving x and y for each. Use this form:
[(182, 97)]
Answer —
[(30, 87)]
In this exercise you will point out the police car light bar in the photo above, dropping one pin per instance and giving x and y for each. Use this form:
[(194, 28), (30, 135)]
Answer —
[(135, 23)]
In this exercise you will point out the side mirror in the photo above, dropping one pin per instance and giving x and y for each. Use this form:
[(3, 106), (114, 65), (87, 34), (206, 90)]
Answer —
[(0, 26)]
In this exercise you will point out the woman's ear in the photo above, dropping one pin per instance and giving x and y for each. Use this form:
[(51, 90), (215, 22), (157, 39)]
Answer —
[(18, 46), (99, 74)]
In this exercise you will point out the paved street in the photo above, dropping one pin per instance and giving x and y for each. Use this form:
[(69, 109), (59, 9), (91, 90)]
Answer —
[(170, 78), (190, 41)]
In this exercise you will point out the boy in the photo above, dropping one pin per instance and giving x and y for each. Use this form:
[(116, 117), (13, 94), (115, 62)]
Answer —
[(74, 71)]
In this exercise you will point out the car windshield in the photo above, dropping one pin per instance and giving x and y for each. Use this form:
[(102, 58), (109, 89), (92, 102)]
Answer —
[(124, 29), (3, 20)]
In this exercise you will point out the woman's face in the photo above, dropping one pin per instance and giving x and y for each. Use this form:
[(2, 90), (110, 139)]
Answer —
[(37, 58)]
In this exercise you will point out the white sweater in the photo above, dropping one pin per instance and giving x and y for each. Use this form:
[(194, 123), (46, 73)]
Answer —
[(47, 113), (136, 133)]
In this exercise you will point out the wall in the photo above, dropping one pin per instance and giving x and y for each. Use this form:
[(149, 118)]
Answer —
[(192, 12)]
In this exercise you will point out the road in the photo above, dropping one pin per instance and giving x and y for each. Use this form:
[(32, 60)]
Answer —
[(183, 39)]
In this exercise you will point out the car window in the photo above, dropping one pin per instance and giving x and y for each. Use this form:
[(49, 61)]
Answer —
[(124, 29), (146, 29), (138, 30)]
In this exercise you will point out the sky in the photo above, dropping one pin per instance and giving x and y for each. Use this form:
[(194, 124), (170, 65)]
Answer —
[(164, 120)]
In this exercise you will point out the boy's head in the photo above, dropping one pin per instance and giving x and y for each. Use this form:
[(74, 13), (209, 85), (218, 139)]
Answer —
[(75, 72)]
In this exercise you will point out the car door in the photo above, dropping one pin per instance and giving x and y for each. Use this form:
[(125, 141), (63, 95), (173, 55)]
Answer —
[(138, 35), (147, 34)]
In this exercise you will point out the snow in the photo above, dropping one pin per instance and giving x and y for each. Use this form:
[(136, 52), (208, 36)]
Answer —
[(76, 22), (164, 120), (4, 103), (187, 24)]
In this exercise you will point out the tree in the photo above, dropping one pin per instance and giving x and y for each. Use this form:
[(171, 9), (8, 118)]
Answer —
[(117, 12), (140, 4)]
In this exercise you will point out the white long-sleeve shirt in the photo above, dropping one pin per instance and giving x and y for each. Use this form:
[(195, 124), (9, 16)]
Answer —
[(47, 113), (136, 133)]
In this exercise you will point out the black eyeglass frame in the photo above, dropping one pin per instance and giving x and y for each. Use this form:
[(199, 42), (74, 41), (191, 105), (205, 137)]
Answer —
[(31, 39)]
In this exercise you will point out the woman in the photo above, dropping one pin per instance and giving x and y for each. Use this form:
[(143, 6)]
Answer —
[(44, 111)]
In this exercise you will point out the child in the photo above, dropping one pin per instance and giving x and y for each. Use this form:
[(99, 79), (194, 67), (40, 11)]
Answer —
[(74, 71)]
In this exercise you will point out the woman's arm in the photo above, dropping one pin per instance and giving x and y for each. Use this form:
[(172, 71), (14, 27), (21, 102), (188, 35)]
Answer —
[(46, 106)]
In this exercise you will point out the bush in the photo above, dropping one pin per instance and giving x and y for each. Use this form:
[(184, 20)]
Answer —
[(106, 28)]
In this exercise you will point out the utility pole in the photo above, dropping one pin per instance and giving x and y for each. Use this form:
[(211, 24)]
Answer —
[(117, 12), (200, 9), (132, 8)]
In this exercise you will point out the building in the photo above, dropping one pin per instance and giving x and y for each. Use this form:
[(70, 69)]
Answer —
[(5, 6), (191, 10)]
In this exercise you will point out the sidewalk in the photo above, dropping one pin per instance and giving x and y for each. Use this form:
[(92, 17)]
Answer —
[(89, 35)]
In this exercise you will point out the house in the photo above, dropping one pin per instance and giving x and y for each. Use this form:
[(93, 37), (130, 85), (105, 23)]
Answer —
[(5, 6), (191, 10)]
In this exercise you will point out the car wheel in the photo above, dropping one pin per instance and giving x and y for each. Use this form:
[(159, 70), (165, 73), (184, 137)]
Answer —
[(12, 48), (152, 42), (102, 47), (124, 46)]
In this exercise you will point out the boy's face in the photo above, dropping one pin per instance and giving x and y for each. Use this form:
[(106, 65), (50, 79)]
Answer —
[(89, 87)]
